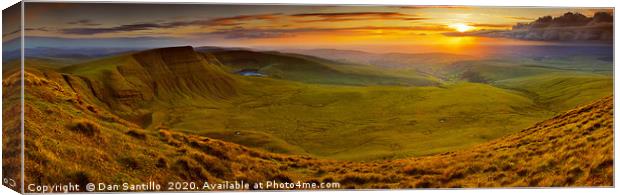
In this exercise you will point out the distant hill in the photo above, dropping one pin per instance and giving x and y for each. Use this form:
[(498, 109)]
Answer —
[(312, 69), (215, 48), (68, 54), (424, 62)]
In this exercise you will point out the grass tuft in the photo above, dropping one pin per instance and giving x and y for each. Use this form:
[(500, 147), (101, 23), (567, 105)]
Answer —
[(85, 126), (137, 134)]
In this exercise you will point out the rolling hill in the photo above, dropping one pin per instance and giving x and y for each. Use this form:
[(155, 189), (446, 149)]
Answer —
[(559, 91), (310, 69), (501, 62)]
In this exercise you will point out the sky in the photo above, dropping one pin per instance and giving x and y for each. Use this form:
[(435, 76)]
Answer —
[(368, 28)]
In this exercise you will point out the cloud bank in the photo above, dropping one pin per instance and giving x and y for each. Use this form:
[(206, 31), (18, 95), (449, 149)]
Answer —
[(568, 27), (237, 21)]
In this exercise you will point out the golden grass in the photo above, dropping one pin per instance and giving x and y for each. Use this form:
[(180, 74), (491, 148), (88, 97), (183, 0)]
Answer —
[(85, 126), (138, 134)]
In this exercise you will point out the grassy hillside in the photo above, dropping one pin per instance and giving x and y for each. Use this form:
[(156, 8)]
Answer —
[(79, 142), (571, 149), (560, 91), (555, 84), (33, 63), (490, 70), (423, 61), (358, 123), (11, 126)]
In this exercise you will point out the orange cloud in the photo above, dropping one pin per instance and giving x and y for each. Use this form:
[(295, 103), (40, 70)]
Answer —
[(491, 25), (237, 20), (519, 18), (435, 6), (262, 33), (352, 16)]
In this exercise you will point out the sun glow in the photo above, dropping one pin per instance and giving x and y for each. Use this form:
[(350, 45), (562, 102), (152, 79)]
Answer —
[(460, 27)]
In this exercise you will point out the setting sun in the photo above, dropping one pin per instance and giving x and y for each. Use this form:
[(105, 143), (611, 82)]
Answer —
[(460, 27)]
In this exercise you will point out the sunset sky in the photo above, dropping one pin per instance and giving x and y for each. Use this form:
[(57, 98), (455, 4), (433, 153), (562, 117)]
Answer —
[(371, 28)]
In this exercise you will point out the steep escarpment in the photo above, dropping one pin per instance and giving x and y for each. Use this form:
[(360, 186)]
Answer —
[(131, 81), (180, 70)]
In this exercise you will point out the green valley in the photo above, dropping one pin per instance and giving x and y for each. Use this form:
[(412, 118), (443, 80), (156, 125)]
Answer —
[(307, 105)]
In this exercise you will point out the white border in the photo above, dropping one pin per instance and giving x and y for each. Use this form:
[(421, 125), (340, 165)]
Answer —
[(22, 100), (554, 3)]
